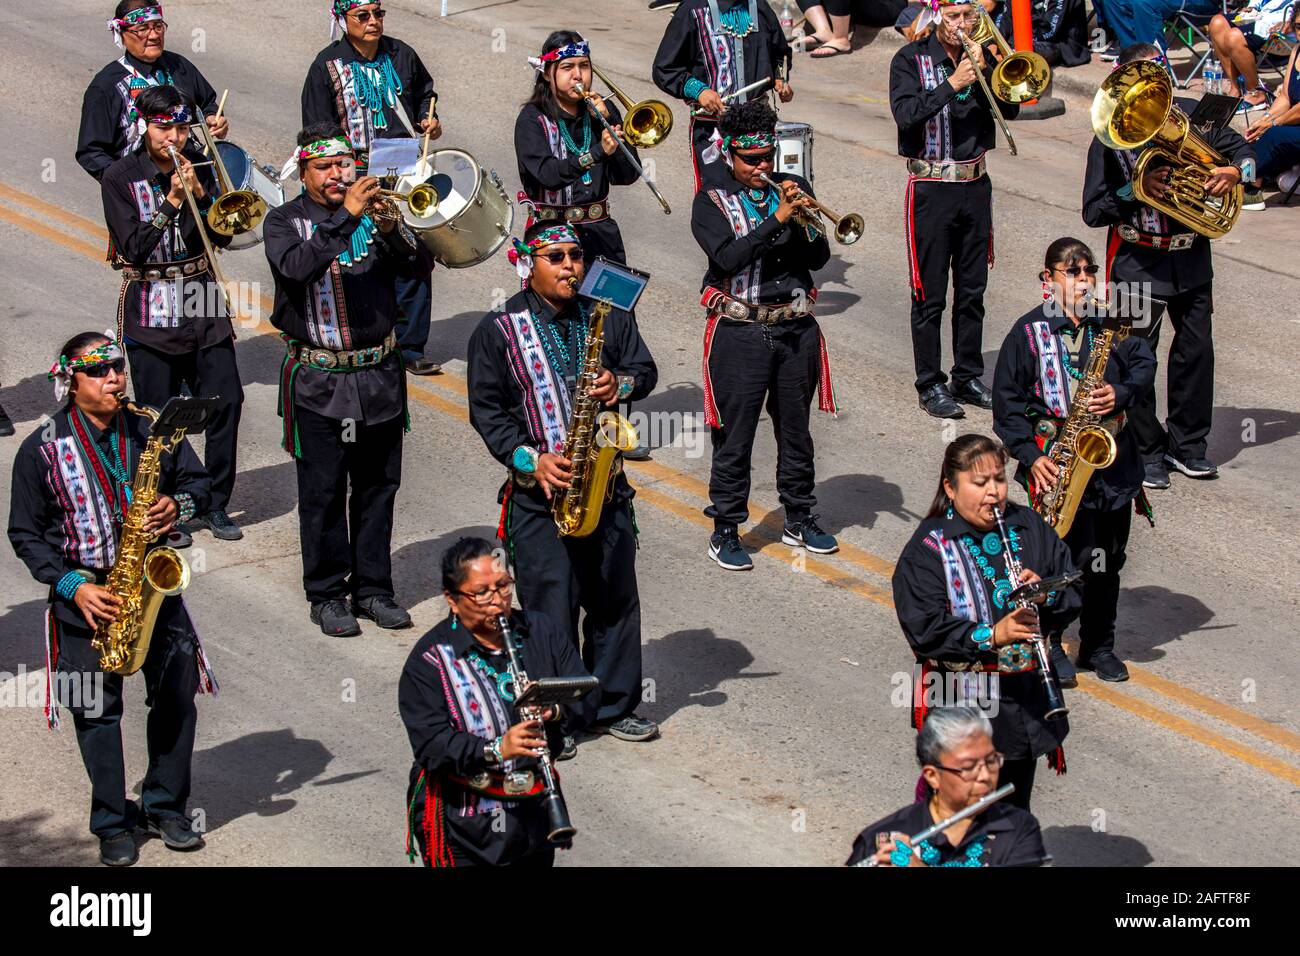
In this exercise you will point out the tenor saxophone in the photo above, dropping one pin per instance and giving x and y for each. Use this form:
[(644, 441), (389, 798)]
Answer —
[(593, 443), (140, 577), (1082, 446)]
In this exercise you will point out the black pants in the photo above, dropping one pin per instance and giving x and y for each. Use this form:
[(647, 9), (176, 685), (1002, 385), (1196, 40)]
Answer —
[(211, 372), (1098, 543), (415, 304), (596, 574), (171, 679), (751, 365), (346, 541), (1190, 379), (1021, 773), (952, 228)]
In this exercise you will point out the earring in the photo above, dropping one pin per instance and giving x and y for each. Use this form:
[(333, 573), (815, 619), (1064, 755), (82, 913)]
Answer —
[(1047, 291), (455, 620), (949, 511)]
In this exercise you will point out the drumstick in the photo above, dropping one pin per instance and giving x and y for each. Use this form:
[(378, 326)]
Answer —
[(222, 105), (424, 153)]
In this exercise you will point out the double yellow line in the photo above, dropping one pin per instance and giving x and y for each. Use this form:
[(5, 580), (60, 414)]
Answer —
[(447, 394)]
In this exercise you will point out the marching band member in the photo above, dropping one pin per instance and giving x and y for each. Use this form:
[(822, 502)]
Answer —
[(110, 123), (950, 589), (1147, 254), (1044, 354), (457, 702), (567, 159), (945, 128), (524, 363), (375, 86), (342, 390), (171, 314), (71, 492), (761, 342), (959, 767), (711, 49)]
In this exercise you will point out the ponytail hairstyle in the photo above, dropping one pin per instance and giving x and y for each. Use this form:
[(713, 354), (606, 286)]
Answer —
[(541, 95), (958, 457)]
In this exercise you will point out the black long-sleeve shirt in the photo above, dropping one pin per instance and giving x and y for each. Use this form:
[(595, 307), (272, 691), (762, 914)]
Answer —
[(772, 262), (106, 130), (443, 749), (176, 316), (328, 93), (1010, 836), (1167, 271), (497, 400), (1018, 402), (47, 531), (688, 49), (934, 121), (319, 301)]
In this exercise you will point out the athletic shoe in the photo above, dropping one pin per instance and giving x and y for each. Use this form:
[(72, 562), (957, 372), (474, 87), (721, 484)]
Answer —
[(1065, 674), (568, 750), (335, 618), (1194, 467), (118, 850), (1253, 199), (631, 727), (6, 424), (1105, 665), (806, 534), (384, 611), (726, 549), (1155, 475), (175, 832)]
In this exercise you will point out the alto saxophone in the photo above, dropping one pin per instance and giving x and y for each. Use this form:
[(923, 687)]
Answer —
[(1082, 446), (592, 444), (140, 577)]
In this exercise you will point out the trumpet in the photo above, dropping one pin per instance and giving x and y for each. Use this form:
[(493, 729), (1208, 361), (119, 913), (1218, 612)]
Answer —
[(848, 227), (421, 200), (203, 224), (233, 211), (627, 153), (646, 123)]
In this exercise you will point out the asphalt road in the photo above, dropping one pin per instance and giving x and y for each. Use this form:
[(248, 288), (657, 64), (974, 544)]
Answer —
[(782, 734)]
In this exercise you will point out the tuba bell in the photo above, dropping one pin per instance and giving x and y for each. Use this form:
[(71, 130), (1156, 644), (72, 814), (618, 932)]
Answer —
[(1135, 107)]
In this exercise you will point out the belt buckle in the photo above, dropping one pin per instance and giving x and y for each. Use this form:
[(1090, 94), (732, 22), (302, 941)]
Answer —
[(368, 356), (1128, 234), (322, 358), (573, 214), (153, 275), (595, 211), (736, 310), (1183, 240), (547, 214), (518, 781)]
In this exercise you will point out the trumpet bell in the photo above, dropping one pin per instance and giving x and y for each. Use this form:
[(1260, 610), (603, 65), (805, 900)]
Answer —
[(849, 229), (236, 212), (1021, 77), (648, 123), (423, 200)]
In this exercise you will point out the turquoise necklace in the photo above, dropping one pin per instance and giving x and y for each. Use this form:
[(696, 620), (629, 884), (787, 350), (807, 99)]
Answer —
[(577, 345), (962, 95), (505, 686), (930, 856), (1076, 373), (573, 148), (119, 472), (991, 547), (736, 22), (751, 199), (376, 84)]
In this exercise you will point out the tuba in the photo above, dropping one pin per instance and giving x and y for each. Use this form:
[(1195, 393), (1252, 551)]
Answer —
[(1135, 106), (140, 577), (593, 443)]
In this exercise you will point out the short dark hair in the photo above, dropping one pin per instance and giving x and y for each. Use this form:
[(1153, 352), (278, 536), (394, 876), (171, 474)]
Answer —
[(156, 100), (126, 6), (744, 119), (321, 131), (540, 95), (456, 558), (1138, 51), (961, 455), (1068, 250)]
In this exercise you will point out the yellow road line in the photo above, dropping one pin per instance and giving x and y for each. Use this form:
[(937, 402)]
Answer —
[(80, 223), (766, 535)]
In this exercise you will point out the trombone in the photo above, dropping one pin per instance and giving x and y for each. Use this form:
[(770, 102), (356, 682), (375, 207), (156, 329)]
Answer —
[(848, 227), (233, 211), (627, 153), (1019, 76), (203, 231), (646, 123)]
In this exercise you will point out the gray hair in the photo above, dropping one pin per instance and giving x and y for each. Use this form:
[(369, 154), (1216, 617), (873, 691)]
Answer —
[(946, 728)]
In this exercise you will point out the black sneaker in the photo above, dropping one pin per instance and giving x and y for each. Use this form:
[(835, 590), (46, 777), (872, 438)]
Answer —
[(1105, 665), (639, 453), (175, 832), (726, 549), (630, 727), (1194, 467), (423, 366), (335, 618), (974, 393), (937, 401), (1155, 475), (384, 611), (219, 523), (807, 534), (656, 4), (6, 424), (1111, 53), (118, 850), (569, 749), (1065, 674)]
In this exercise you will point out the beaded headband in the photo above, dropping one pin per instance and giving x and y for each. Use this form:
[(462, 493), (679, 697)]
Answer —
[(750, 141), (521, 253), (335, 146), (339, 9), (176, 116), (61, 372), (134, 18), (579, 48)]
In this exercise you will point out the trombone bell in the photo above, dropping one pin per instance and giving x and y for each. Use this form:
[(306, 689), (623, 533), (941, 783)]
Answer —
[(236, 212), (1021, 75), (646, 123)]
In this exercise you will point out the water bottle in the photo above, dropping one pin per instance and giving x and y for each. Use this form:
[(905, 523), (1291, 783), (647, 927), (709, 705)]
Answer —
[(786, 18), (1212, 77)]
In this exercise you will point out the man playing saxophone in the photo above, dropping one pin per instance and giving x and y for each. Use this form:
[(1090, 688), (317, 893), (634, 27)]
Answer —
[(1041, 368), (72, 487), (525, 365)]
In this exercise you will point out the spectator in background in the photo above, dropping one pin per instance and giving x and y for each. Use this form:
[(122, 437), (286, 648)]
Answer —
[(830, 21), (1277, 135), (1060, 28), (1237, 49), (1143, 21)]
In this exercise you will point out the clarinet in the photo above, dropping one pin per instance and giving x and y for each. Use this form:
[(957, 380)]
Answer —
[(559, 830), (1056, 708)]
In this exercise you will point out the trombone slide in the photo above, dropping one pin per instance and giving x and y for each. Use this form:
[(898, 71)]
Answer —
[(202, 223), (627, 153)]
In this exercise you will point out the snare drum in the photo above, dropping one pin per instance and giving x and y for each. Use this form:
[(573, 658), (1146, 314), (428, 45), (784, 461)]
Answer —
[(245, 173), (474, 215), (794, 149)]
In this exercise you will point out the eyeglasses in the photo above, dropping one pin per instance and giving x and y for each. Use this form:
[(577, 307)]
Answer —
[(961, 17), (756, 159), (363, 16), (1075, 271), (144, 29), (484, 598), (991, 763), (558, 257), (102, 369)]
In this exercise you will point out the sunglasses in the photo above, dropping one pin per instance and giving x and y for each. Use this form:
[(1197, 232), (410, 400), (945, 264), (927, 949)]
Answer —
[(363, 16), (102, 369), (756, 159), (556, 258), (1075, 271)]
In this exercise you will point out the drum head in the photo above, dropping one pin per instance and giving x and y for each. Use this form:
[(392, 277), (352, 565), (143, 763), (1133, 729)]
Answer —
[(456, 175), (239, 165)]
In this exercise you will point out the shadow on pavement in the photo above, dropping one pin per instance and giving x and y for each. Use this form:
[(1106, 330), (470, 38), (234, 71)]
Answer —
[(1238, 429), (22, 637), (417, 567), (1151, 616), (1083, 846), (262, 494), (856, 501), (688, 666), (23, 844)]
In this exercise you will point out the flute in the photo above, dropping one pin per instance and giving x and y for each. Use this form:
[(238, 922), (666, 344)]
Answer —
[(976, 807)]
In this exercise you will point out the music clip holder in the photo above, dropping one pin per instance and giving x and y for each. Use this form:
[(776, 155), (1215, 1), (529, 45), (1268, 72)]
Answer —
[(1213, 113), (556, 690), (615, 283), (190, 415)]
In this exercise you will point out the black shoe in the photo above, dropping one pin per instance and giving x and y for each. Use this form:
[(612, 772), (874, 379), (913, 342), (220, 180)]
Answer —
[(423, 366), (726, 549), (219, 523), (569, 749), (656, 4), (1111, 53), (6, 425), (384, 611), (1155, 475), (639, 453), (938, 402), (335, 618), (630, 727), (806, 533), (118, 850), (974, 393), (1065, 674), (174, 831), (1194, 467), (1105, 665)]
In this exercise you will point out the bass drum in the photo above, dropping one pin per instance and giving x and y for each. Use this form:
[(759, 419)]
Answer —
[(794, 150), (246, 174), (474, 215)]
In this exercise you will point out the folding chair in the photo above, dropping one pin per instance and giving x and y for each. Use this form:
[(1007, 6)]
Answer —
[(1275, 52), (1184, 31)]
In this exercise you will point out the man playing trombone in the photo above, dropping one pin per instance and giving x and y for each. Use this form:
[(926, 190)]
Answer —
[(945, 127), (171, 313)]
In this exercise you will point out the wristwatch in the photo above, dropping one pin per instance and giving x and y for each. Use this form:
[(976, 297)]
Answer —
[(525, 460), (983, 637)]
